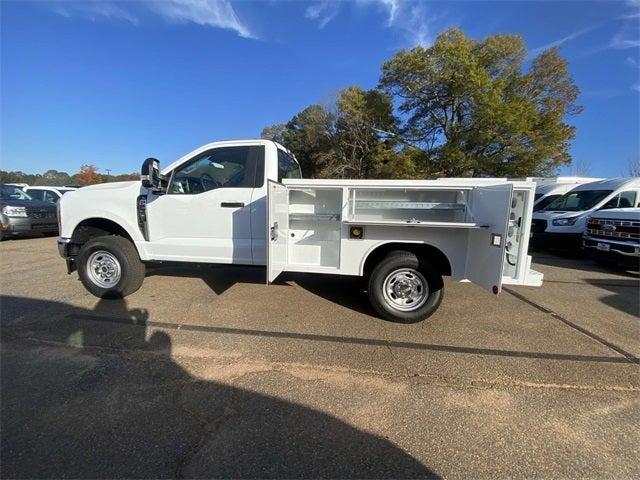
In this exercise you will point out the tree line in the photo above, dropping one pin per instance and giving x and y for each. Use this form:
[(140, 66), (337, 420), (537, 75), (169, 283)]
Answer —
[(88, 175), (460, 107)]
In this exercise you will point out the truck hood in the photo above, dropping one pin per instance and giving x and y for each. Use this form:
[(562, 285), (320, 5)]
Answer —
[(28, 203), (108, 186), (619, 214)]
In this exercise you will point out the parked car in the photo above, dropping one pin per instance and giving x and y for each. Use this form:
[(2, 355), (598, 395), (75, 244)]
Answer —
[(20, 214), (562, 223), (613, 236), (245, 202), (549, 189), (47, 194)]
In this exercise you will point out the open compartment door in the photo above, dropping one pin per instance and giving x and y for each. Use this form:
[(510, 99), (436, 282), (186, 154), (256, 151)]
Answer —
[(277, 229), (486, 248)]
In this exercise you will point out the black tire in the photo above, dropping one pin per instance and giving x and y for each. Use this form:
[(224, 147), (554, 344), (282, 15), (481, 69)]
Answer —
[(398, 260), (132, 270)]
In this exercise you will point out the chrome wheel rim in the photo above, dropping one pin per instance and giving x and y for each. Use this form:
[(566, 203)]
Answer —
[(405, 289), (104, 269)]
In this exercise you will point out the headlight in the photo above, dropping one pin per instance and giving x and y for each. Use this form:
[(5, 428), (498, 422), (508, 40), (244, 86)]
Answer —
[(14, 211), (565, 222)]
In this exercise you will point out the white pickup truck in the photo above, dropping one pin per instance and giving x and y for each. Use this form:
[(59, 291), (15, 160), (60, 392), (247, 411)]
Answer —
[(244, 202)]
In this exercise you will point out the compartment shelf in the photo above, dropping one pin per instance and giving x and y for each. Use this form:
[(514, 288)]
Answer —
[(425, 223), (405, 205), (312, 217), (424, 207)]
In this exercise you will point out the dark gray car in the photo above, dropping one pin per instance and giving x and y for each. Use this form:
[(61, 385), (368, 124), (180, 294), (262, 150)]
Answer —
[(20, 214)]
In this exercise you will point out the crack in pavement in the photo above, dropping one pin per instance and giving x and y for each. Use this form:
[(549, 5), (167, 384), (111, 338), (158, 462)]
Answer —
[(209, 427), (629, 356)]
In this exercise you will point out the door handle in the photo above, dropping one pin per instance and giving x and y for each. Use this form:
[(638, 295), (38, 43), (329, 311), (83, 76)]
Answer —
[(232, 204)]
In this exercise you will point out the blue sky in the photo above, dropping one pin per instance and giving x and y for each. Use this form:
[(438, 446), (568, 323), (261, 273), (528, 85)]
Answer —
[(111, 83)]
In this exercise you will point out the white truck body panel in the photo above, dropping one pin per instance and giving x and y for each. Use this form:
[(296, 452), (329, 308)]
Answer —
[(481, 226)]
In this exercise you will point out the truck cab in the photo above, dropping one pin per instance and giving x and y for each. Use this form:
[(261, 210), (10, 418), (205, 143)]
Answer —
[(245, 202)]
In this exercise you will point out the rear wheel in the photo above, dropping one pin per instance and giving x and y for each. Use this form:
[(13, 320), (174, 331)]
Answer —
[(404, 288), (109, 267)]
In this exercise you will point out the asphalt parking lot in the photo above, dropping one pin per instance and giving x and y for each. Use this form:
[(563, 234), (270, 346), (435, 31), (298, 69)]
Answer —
[(207, 372)]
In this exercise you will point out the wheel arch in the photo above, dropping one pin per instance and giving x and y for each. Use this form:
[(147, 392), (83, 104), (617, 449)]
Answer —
[(422, 250), (97, 226)]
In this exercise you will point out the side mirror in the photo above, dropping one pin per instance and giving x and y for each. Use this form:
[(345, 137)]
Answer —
[(150, 175)]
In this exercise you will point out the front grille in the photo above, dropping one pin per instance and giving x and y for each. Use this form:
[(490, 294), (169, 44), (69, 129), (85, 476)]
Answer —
[(611, 228), (40, 213), (538, 226)]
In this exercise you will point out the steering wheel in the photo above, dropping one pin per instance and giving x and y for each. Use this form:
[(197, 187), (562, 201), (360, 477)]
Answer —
[(208, 182)]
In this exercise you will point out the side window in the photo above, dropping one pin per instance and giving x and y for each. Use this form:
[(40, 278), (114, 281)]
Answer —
[(287, 166), (36, 194), (627, 199), (622, 200), (225, 167), (50, 196)]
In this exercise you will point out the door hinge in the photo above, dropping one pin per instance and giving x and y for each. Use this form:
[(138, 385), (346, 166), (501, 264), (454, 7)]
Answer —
[(274, 232)]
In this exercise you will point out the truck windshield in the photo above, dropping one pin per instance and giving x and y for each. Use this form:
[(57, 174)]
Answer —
[(544, 202), (7, 192), (578, 201)]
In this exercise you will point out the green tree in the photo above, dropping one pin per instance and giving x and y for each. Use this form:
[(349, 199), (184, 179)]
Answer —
[(358, 150), (473, 111), (343, 140), (309, 134)]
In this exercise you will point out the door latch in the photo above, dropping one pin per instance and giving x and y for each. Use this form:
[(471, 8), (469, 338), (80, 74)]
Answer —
[(274, 232)]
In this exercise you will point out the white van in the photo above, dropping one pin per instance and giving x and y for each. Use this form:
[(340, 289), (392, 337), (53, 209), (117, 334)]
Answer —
[(563, 221), (551, 188)]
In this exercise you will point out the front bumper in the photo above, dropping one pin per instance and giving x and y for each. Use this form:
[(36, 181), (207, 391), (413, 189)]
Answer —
[(68, 252), (556, 240), (622, 252), (27, 225), (63, 246)]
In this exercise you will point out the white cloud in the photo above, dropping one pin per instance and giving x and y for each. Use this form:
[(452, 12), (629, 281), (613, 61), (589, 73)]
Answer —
[(323, 12), (93, 10), (212, 13), (556, 43), (408, 16), (623, 40)]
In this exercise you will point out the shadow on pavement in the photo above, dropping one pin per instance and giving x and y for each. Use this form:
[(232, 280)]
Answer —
[(218, 278), (117, 405), (349, 292), (346, 291), (584, 264), (624, 295)]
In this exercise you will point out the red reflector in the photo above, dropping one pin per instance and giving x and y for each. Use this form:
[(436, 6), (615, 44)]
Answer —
[(495, 289)]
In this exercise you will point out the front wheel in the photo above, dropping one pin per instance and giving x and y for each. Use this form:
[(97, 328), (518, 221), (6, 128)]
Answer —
[(405, 289), (109, 267)]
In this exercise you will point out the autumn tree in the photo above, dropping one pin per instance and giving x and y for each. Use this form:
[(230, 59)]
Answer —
[(471, 108), (633, 166), (88, 175)]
